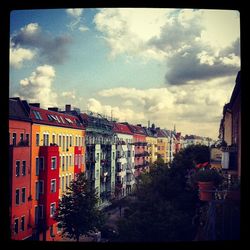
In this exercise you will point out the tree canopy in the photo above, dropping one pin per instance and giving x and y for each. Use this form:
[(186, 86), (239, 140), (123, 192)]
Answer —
[(78, 212), (164, 206)]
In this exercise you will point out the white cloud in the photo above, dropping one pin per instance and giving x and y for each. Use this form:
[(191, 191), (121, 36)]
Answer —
[(74, 12), (179, 37), (193, 108), (19, 55), (69, 94), (134, 25), (83, 28), (30, 28), (122, 114), (38, 86)]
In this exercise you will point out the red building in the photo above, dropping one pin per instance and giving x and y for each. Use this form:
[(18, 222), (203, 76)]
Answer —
[(48, 184), (141, 149), (19, 167)]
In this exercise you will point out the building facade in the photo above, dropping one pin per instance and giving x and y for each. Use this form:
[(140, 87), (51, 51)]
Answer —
[(20, 170)]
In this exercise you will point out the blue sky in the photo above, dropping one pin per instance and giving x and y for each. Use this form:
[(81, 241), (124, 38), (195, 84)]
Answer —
[(162, 65)]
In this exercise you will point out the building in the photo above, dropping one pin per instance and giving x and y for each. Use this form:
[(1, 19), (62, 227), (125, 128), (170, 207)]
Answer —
[(151, 139), (57, 139), (125, 153), (100, 155), (141, 149), (230, 131), (162, 144), (20, 170)]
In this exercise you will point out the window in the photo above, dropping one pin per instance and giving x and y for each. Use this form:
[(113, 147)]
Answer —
[(21, 137), (22, 223), (69, 178), (59, 182), (16, 226), (113, 155), (70, 160), (53, 186), (63, 187), (37, 115), (63, 162), (17, 197), (41, 163), (28, 139), (37, 190), (40, 212), (14, 139), (45, 139), (37, 166), (97, 157), (53, 163), (67, 142), (97, 174), (76, 159), (23, 195), (17, 168), (60, 141), (24, 168), (52, 209), (79, 161), (129, 153), (63, 142), (37, 139), (36, 214), (67, 163), (67, 181), (70, 141), (53, 138), (41, 187)]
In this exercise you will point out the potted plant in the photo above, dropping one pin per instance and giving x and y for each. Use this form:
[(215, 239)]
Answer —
[(207, 179)]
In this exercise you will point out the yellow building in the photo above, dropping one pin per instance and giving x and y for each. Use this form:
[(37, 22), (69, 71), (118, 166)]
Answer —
[(152, 148), (162, 145), (67, 133)]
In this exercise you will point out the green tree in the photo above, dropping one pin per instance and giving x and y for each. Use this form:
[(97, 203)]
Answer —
[(78, 212), (164, 205)]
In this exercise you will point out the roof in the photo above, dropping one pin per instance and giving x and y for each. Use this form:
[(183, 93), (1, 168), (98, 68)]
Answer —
[(160, 133), (121, 128), (48, 117), (17, 111), (150, 132), (136, 129)]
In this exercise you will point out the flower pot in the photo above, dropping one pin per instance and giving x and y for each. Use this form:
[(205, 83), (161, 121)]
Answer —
[(206, 190)]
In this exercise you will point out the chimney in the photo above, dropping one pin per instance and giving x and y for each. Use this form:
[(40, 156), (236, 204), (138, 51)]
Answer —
[(37, 104), (148, 124), (53, 109), (67, 107)]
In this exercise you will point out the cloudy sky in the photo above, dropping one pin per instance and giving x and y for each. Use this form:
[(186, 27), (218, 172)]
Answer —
[(166, 66)]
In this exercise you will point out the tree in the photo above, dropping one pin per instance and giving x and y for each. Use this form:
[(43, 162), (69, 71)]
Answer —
[(164, 205), (78, 212)]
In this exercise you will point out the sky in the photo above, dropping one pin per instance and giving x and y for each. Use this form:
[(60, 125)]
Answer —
[(172, 67)]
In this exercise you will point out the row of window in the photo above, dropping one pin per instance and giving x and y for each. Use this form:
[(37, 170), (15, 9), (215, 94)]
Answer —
[(39, 211), (22, 168), (40, 187), (64, 182), (64, 141), (23, 138), (22, 194), (16, 225)]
